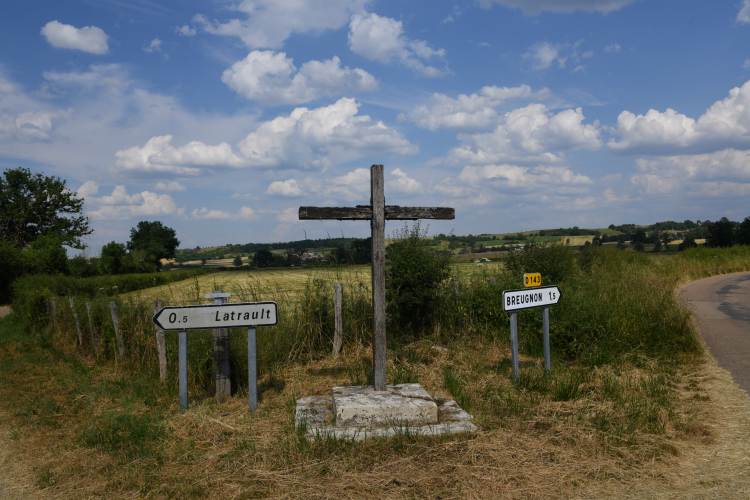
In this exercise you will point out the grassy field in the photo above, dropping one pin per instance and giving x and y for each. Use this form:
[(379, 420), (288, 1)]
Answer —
[(266, 283), (631, 399)]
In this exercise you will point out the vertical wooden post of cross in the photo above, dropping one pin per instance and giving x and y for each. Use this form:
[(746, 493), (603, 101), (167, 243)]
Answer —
[(377, 213), (377, 201)]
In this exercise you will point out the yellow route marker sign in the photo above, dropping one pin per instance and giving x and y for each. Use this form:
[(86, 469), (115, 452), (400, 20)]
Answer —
[(532, 279)]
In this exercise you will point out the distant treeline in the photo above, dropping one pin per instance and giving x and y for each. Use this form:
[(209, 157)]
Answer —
[(669, 225), (571, 231), (223, 252)]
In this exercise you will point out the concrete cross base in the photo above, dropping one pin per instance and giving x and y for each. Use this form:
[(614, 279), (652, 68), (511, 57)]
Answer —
[(361, 412)]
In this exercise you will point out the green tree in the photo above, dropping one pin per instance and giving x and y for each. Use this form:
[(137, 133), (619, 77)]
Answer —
[(111, 260), (154, 240), (11, 268), (80, 267), (33, 205), (721, 233), (555, 261), (413, 276), (237, 261), (45, 255), (262, 258), (743, 232), (687, 243)]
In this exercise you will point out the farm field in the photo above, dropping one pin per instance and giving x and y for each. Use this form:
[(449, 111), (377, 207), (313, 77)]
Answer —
[(247, 285), (265, 284)]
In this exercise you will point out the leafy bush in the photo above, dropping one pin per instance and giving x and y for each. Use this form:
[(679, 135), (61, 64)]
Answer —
[(413, 278), (555, 261), (11, 267)]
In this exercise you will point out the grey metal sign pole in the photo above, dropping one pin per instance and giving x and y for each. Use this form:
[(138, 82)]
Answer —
[(183, 362), (529, 298), (252, 370), (514, 343), (545, 320)]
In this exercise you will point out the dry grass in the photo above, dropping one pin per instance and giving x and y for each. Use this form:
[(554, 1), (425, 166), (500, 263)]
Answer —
[(222, 451)]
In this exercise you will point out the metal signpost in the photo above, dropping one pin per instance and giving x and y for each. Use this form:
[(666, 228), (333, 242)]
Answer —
[(204, 317), (516, 300)]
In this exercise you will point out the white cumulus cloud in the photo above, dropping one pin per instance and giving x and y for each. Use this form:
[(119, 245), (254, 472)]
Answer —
[(158, 155), (29, 126), (173, 187), (726, 124), (205, 213), (743, 16), (469, 112), (89, 188), (318, 138), (534, 7), (154, 46), (544, 54), (404, 183), (483, 185), (186, 30), (532, 133), (382, 39), (267, 23), (284, 188), (121, 205), (721, 173), (271, 78), (305, 139), (64, 36)]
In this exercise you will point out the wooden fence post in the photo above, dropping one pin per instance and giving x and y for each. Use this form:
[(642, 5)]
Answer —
[(455, 287), (53, 305), (161, 345), (338, 333), (116, 323), (221, 353), (94, 337), (75, 318)]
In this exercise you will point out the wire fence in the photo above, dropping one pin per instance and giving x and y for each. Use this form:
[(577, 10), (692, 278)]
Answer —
[(119, 329)]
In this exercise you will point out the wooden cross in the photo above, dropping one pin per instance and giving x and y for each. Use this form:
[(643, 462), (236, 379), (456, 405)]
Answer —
[(377, 213)]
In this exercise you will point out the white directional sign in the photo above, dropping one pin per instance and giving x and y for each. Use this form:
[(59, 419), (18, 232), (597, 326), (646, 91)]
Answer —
[(515, 300), (244, 314)]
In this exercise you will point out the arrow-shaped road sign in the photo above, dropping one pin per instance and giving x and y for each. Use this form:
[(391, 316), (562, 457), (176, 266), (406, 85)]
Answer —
[(244, 314), (515, 300)]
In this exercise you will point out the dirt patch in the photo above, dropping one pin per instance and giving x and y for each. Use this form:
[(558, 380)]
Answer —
[(4, 311)]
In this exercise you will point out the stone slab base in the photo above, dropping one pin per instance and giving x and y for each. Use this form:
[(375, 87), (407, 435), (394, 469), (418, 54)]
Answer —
[(398, 404), (360, 412)]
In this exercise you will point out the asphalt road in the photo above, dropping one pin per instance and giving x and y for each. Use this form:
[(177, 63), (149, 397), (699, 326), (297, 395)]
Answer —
[(722, 304)]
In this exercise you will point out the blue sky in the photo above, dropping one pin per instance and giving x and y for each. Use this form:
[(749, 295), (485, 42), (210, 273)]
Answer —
[(220, 118)]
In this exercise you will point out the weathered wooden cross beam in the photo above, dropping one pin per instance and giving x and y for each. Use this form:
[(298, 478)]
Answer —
[(377, 213)]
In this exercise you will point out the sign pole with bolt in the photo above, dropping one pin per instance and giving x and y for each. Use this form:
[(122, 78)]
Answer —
[(252, 370), (516, 300), (183, 361)]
